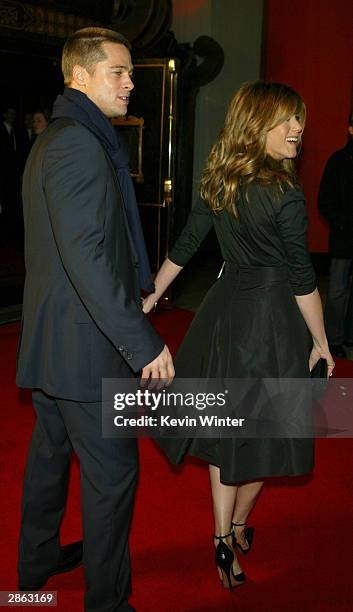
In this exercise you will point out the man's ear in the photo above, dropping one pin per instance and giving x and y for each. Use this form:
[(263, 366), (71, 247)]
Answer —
[(79, 76), (350, 130)]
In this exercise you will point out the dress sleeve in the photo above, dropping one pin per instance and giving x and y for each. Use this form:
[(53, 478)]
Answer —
[(292, 223), (198, 225)]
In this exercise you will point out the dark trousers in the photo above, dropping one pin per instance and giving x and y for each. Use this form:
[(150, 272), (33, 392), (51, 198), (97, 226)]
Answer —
[(108, 479), (339, 302)]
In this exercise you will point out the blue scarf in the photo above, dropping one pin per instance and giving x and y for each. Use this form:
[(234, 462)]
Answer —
[(78, 106)]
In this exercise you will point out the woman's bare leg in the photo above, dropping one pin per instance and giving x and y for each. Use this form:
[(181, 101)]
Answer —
[(223, 498), (245, 500)]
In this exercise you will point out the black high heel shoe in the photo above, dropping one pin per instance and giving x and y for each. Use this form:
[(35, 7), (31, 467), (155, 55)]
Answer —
[(224, 560), (249, 536)]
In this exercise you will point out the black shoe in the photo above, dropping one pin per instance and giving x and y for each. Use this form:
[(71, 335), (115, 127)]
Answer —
[(224, 560), (249, 536), (70, 557), (337, 350)]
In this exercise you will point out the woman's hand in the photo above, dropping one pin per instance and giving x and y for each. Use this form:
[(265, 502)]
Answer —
[(148, 303), (319, 353), (311, 309), (167, 273)]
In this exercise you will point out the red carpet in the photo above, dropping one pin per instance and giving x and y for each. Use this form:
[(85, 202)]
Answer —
[(302, 556)]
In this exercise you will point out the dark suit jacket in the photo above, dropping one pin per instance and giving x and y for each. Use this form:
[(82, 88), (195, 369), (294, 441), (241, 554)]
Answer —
[(81, 314), (9, 174)]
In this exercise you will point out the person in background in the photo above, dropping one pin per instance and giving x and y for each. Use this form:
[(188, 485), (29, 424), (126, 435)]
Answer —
[(253, 322), (335, 201), (41, 119), (27, 138), (10, 191), (28, 122)]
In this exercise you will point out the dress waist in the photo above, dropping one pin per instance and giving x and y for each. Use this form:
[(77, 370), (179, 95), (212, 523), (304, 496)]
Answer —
[(248, 277)]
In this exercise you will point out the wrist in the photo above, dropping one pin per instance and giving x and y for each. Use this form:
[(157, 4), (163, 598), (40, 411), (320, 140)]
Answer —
[(320, 345), (151, 297)]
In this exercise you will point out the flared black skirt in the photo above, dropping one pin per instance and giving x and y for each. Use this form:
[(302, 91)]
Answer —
[(248, 326)]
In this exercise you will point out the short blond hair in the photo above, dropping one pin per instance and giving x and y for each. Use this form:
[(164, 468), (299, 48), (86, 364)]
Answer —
[(85, 48)]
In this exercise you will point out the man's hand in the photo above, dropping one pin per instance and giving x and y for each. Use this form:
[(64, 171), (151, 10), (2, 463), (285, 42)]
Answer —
[(160, 369)]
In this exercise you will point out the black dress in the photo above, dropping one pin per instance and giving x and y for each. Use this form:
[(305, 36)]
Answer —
[(249, 324)]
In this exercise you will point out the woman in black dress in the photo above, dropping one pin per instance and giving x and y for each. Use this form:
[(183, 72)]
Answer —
[(254, 321)]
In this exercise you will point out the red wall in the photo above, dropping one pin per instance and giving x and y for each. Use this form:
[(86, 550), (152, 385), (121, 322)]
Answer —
[(308, 44)]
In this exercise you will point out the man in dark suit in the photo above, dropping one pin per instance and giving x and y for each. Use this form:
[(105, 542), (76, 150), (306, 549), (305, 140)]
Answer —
[(336, 206), (82, 321), (9, 178)]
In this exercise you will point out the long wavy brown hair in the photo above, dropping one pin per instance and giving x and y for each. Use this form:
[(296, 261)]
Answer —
[(239, 155)]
